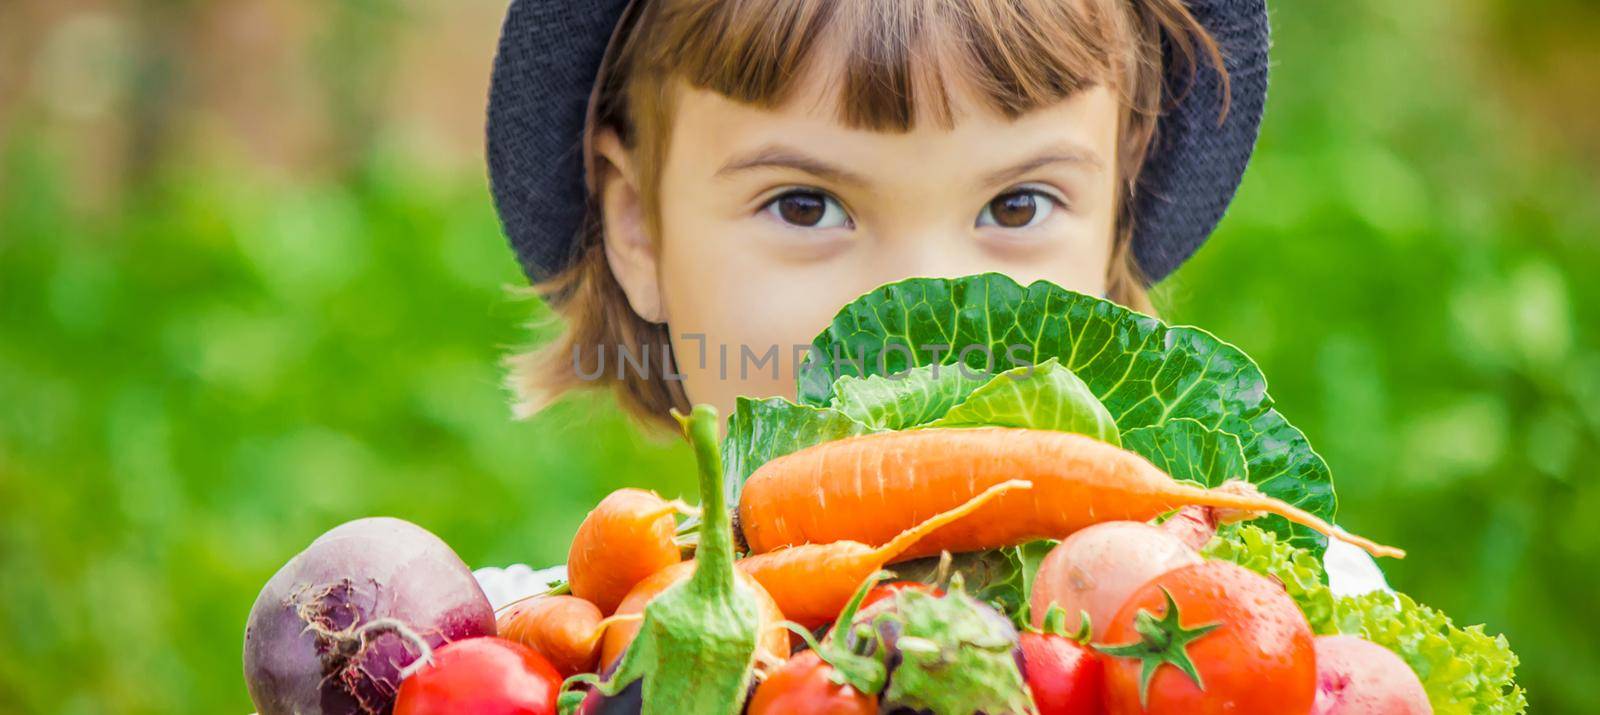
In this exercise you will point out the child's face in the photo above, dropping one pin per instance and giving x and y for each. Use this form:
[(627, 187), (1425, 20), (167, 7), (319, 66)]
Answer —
[(771, 220)]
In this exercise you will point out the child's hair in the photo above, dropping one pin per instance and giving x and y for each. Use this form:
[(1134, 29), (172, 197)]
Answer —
[(1019, 54)]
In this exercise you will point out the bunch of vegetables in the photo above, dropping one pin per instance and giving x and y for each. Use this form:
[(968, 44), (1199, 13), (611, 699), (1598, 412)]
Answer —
[(1119, 522)]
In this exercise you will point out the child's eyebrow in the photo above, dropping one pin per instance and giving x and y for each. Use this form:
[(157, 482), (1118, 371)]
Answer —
[(1058, 154), (783, 157)]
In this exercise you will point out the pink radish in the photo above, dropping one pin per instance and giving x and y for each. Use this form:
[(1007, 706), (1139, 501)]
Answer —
[(1094, 570), (1359, 677)]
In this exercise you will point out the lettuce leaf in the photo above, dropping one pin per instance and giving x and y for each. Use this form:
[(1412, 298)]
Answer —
[(1300, 573), (915, 397), (1143, 371), (1464, 671), (1044, 396)]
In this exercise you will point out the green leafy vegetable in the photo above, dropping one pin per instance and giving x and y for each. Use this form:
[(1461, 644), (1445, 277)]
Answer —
[(1463, 670), (915, 397), (696, 648), (1044, 396), (1143, 371), (1188, 450), (1264, 553)]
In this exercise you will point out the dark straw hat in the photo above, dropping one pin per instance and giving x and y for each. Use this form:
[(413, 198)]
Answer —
[(551, 53)]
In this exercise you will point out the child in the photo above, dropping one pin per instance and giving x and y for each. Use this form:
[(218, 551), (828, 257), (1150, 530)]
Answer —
[(685, 177)]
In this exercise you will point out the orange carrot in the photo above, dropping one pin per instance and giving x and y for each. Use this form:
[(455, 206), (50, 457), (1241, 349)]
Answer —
[(626, 538), (566, 630), (871, 487), (774, 643), (813, 582)]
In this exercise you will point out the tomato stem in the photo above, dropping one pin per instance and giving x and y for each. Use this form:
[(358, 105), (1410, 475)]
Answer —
[(1162, 641)]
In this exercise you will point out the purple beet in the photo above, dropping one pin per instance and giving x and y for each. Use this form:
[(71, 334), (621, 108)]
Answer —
[(335, 628)]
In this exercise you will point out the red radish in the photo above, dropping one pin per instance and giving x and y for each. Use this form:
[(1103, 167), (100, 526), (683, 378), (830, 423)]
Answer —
[(334, 630), (1065, 676), (483, 676), (1093, 571), (1359, 677)]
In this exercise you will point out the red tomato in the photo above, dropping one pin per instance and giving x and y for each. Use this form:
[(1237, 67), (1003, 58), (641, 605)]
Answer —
[(803, 687), (890, 588), (1066, 677), (481, 676), (1228, 641)]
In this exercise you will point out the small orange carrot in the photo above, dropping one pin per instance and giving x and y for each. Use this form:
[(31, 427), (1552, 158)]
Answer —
[(774, 643), (871, 487), (626, 538), (813, 582), (566, 630)]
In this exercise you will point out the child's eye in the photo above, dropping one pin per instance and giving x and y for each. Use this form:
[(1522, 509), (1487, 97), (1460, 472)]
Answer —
[(1018, 209), (808, 209)]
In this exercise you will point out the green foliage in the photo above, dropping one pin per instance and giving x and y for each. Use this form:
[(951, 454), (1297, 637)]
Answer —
[(1186, 449), (1044, 396), (915, 397), (195, 388), (1002, 578), (199, 379), (1411, 259), (1464, 670)]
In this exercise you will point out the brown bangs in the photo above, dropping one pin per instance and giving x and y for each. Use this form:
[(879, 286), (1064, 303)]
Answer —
[(894, 57)]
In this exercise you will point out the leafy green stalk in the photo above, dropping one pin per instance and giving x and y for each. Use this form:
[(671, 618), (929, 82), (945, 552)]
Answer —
[(696, 648)]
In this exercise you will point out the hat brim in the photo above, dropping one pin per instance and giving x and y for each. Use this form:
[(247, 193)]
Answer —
[(551, 52)]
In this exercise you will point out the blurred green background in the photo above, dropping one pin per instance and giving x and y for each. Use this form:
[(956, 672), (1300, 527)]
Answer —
[(251, 285)]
